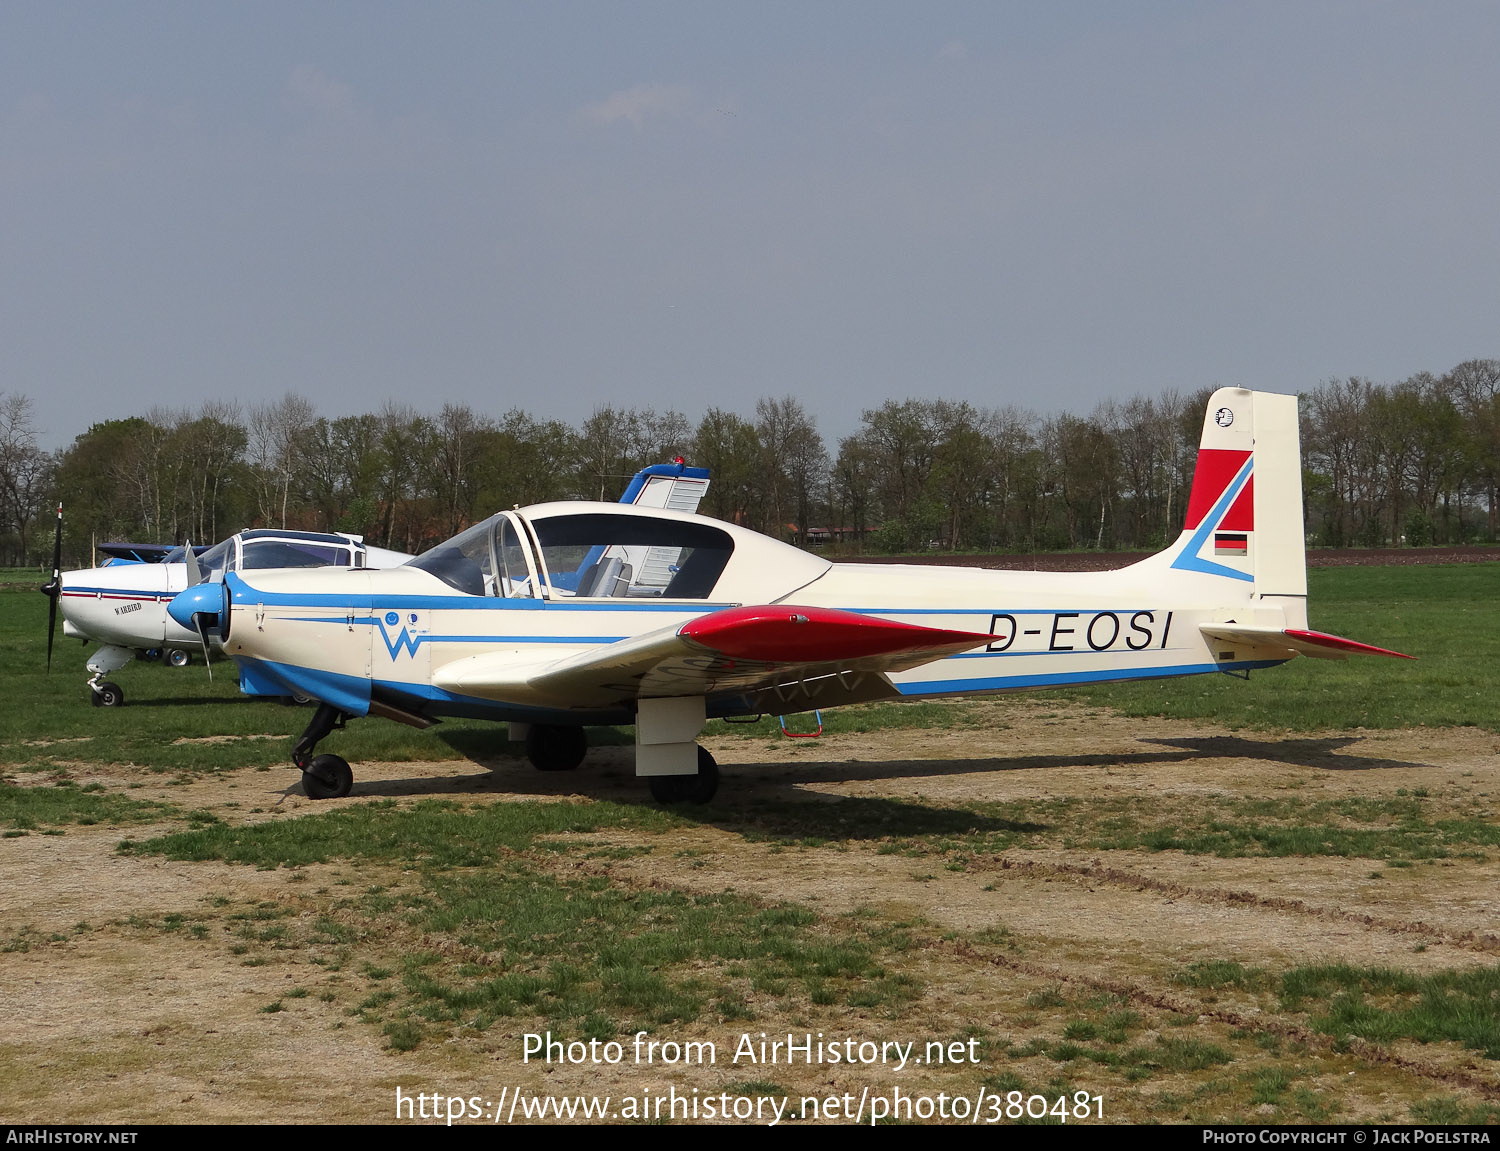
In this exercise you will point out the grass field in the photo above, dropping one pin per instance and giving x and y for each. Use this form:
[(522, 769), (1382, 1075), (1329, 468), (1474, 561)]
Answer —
[(1293, 923), (1449, 617), (1444, 615)]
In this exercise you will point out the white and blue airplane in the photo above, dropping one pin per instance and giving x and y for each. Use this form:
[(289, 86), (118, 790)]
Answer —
[(122, 605), (562, 615)]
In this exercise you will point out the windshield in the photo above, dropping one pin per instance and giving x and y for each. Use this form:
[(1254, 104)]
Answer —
[(212, 562), (476, 562), (463, 562)]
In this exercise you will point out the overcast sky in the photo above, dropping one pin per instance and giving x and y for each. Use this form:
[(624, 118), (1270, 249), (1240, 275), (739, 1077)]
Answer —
[(559, 205)]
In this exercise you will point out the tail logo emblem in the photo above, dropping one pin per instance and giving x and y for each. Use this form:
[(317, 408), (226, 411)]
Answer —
[(1231, 539), (1224, 417)]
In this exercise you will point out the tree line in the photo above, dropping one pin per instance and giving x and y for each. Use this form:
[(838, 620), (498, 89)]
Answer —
[(1414, 462)]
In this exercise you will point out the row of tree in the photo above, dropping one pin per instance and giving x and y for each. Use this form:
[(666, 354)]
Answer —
[(1414, 462)]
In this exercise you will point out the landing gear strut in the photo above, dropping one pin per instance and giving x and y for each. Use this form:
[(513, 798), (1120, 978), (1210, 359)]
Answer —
[(697, 788), (323, 776)]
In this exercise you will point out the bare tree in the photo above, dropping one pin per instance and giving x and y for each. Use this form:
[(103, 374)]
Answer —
[(276, 448), (793, 461), (456, 456), (24, 469)]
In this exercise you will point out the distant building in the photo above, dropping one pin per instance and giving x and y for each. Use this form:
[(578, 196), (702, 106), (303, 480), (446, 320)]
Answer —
[(835, 535)]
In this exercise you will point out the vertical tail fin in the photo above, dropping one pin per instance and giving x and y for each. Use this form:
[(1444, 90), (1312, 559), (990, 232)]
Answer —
[(1244, 514)]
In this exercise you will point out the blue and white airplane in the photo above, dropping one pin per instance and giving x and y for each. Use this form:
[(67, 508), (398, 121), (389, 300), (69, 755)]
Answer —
[(123, 604), (562, 615)]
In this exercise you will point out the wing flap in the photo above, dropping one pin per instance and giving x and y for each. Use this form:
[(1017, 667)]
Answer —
[(735, 650)]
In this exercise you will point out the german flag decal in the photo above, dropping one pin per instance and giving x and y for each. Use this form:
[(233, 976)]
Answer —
[(1231, 543)]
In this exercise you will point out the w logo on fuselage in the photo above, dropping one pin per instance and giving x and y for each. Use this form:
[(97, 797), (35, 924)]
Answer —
[(402, 640)]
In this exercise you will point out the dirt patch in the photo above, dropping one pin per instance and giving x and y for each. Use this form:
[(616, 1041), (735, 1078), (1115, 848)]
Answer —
[(127, 992), (212, 739)]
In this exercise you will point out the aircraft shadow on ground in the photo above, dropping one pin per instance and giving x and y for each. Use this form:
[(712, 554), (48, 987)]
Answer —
[(133, 703), (776, 811), (781, 808), (1316, 753)]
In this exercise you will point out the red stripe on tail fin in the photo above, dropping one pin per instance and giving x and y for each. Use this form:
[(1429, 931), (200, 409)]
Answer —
[(1216, 468)]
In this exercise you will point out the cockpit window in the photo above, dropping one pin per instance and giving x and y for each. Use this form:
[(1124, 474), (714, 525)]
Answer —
[(603, 556), (292, 554)]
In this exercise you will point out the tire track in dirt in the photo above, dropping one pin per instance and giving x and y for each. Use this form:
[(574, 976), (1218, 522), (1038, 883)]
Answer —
[(1482, 942), (968, 953), (1284, 1028)]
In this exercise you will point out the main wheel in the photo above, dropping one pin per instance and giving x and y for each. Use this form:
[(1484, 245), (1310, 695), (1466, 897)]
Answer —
[(552, 748), (698, 788), (327, 777), (179, 658), (108, 695)]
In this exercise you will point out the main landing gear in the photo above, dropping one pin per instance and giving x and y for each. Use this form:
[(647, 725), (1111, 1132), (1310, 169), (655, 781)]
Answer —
[(323, 776), (550, 747), (554, 748), (697, 788)]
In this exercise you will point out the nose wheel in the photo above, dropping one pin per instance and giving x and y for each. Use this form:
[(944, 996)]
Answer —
[(327, 777), (106, 694), (323, 776)]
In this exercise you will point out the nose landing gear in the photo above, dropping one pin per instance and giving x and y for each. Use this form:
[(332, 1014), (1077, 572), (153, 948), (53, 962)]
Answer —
[(323, 776)]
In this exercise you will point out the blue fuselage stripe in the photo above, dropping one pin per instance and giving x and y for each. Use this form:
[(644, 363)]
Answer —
[(1061, 679)]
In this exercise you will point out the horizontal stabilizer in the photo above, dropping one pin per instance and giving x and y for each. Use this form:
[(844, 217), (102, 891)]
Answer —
[(1317, 644)]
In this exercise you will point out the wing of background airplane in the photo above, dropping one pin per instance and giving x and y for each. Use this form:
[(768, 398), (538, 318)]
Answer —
[(737, 650)]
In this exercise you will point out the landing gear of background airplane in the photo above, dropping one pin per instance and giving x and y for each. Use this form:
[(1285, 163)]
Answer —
[(179, 658), (106, 694), (698, 788), (553, 748), (102, 692), (323, 776)]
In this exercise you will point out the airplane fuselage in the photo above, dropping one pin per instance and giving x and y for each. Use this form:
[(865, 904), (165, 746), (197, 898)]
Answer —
[(409, 634)]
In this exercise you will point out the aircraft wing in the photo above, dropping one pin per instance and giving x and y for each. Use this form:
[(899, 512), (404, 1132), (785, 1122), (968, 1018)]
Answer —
[(738, 650), (1317, 644)]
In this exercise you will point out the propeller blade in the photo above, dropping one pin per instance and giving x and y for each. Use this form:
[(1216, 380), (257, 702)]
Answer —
[(53, 590), (194, 568), (202, 623)]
